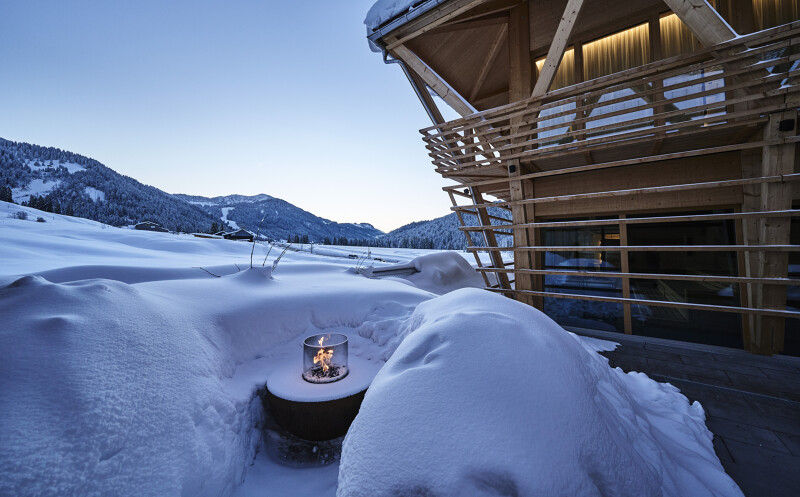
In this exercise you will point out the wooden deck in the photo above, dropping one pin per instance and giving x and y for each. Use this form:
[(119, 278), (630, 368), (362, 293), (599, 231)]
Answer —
[(752, 404)]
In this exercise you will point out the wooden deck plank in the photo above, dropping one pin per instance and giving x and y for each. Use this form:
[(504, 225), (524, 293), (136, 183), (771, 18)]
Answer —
[(751, 402)]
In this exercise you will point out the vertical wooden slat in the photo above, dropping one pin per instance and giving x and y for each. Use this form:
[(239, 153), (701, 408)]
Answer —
[(626, 282)]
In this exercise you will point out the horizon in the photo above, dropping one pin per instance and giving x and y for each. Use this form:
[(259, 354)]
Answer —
[(175, 95)]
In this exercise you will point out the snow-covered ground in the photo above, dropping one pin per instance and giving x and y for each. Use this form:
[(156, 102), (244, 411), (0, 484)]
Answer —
[(130, 360)]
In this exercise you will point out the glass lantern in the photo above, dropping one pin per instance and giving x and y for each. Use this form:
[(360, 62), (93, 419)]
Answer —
[(325, 358)]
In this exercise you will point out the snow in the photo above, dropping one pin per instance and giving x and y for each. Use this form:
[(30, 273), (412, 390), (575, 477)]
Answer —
[(38, 187), (70, 166), (385, 10), (225, 212), (487, 396), (95, 194), (126, 368), (287, 382)]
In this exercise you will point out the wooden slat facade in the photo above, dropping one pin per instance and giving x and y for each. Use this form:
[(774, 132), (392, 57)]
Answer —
[(699, 145)]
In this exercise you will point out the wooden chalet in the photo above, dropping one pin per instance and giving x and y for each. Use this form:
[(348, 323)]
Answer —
[(150, 226), (645, 152), (240, 234)]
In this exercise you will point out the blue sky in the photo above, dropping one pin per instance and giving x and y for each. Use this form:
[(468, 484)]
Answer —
[(219, 97)]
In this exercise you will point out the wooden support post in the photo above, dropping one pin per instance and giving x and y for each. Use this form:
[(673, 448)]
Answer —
[(776, 160), (522, 258), (626, 282), (519, 53), (535, 239), (748, 235), (556, 51), (520, 69)]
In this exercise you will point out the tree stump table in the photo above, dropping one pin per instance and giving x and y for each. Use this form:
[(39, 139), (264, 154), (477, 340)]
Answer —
[(318, 411)]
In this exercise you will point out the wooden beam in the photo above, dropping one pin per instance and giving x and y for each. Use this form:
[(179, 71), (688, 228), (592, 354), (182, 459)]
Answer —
[(444, 90), (483, 22), (429, 21), (519, 55), (703, 21), (557, 47), (494, 50), (422, 92), (484, 10)]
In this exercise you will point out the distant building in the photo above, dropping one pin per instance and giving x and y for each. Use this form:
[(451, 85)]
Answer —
[(206, 235), (149, 226), (241, 234)]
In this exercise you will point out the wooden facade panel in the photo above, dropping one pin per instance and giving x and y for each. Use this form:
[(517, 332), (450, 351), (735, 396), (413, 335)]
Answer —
[(674, 172), (657, 202), (680, 171)]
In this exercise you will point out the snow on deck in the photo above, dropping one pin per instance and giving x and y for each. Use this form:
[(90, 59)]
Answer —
[(129, 363)]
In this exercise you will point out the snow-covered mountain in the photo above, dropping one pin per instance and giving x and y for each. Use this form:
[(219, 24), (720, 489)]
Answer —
[(281, 220), (52, 179)]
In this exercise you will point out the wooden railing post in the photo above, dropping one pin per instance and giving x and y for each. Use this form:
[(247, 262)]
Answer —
[(768, 334)]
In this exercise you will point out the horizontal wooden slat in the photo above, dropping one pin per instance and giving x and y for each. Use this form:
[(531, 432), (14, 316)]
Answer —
[(645, 248), (638, 191), (649, 276), (661, 303), (647, 220)]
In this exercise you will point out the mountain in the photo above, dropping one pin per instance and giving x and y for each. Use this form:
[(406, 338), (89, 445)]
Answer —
[(442, 233), (55, 180), (281, 220), (52, 179)]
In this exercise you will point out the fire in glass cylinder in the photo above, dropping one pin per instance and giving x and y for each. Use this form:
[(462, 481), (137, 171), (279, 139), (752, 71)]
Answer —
[(325, 358)]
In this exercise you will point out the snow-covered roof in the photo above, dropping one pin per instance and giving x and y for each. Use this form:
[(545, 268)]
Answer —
[(387, 15)]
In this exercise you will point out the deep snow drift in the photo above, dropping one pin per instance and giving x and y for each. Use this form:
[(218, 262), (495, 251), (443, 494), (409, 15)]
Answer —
[(487, 396), (125, 369)]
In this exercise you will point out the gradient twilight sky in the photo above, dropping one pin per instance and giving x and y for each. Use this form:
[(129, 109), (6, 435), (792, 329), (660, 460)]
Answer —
[(212, 97)]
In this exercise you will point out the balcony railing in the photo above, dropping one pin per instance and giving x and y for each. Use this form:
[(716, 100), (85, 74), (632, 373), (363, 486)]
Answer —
[(708, 96)]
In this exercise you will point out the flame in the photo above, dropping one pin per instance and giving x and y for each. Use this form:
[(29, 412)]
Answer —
[(323, 356)]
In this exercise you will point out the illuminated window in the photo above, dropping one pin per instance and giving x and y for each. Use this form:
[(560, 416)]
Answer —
[(771, 13), (565, 74), (617, 52), (676, 39)]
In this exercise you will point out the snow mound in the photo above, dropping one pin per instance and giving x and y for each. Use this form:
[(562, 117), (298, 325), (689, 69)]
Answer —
[(487, 396), (103, 387), (441, 273)]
